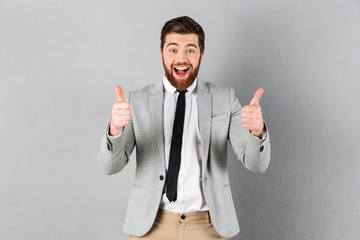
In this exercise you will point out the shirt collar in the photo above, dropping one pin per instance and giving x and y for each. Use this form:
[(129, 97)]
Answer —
[(170, 88)]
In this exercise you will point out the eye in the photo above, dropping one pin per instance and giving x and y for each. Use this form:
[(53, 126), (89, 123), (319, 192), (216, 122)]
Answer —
[(173, 50), (190, 51)]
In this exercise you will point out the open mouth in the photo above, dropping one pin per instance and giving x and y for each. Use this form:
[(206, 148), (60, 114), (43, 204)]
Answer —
[(181, 72)]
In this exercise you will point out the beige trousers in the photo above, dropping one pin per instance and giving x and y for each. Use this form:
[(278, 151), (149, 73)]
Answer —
[(177, 226)]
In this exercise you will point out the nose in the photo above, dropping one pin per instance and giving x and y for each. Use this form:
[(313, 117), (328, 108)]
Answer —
[(182, 58)]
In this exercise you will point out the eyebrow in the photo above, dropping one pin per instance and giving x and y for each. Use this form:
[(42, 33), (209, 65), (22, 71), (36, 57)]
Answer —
[(189, 45), (192, 45)]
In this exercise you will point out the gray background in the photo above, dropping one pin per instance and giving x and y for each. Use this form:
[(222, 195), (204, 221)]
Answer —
[(60, 60)]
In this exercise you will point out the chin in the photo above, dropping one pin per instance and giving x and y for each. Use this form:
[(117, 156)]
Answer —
[(181, 83)]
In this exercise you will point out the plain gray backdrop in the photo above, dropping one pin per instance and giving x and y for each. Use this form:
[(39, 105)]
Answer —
[(60, 61)]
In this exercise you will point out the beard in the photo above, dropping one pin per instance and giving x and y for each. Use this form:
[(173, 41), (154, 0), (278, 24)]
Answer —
[(181, 84)]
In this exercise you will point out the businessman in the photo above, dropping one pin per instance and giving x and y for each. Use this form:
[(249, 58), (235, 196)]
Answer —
[(181, 126)]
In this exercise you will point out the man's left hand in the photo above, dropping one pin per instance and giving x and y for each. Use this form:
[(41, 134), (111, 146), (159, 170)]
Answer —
[(252, 117)]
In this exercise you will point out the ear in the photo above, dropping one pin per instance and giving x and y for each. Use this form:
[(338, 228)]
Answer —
[(201, 56), (161, 54)]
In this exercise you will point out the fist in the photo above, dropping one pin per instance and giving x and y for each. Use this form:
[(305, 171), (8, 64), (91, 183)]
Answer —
[(251, 115), (121, 113)]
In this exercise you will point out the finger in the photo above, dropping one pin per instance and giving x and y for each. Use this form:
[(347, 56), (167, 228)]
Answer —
[(119, 123), (124, 118), (122, 112), (246, 109), (257, 96), (124, 123), (249, 127), (122, 105), (249, 121), (247, 115), (246, 121), (119, 93), (253, 115)]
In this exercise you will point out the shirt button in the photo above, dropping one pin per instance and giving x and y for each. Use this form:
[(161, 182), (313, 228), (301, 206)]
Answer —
[(161, 177), (183, 217)]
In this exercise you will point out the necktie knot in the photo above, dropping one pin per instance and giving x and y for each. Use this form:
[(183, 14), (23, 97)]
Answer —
[(181, 92)]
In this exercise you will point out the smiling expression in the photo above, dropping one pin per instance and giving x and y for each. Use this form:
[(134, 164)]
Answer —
[(181, 58)]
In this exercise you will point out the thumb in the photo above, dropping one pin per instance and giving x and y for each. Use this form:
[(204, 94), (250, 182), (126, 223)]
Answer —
[(119, 93), (257, 96)]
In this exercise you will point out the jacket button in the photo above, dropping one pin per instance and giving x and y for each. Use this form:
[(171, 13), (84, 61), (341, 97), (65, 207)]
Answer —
[(261, 148), (161, 177), (183, 217)]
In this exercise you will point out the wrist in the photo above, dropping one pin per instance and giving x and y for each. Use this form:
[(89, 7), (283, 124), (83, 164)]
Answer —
[(113, 131), (257, 134)]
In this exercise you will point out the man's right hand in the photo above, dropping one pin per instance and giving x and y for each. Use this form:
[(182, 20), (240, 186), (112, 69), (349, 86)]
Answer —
[(121, 113)]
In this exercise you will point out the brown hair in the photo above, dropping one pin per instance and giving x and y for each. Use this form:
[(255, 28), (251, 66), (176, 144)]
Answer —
[(183, 25)]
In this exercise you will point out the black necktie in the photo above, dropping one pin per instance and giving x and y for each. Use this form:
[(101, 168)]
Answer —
[(175, 148)]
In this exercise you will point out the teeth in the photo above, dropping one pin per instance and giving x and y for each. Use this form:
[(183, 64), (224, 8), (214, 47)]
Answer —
[(181, 68)]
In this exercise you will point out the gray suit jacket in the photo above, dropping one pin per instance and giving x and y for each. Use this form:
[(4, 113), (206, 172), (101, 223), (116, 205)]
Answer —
[(219, 122)]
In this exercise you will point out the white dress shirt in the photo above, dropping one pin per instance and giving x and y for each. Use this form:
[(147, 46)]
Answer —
[(190, 197)]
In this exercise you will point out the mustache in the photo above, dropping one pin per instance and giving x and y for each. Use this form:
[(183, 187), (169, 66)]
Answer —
[(181, 64)]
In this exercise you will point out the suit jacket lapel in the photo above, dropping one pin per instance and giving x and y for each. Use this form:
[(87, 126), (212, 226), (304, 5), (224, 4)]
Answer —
[(156, 106), (204, 109)]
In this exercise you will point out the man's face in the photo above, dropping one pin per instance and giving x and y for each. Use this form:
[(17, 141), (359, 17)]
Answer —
[(181, 58)]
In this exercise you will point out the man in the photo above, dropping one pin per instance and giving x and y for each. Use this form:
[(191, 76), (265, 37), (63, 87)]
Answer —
[(180, 127)]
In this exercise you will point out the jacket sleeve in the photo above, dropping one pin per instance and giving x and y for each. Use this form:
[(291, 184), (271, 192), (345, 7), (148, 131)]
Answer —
[(253, 152), (114, 152)]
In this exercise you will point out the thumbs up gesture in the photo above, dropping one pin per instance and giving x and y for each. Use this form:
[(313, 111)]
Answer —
[(251, 115), (121, 113)]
